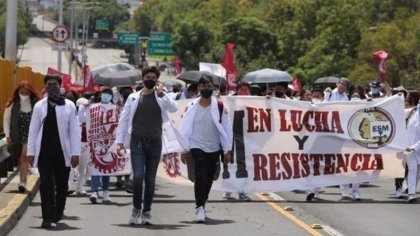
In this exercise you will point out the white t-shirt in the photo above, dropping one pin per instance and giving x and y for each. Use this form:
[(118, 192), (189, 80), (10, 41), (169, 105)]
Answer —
[(205, 135)]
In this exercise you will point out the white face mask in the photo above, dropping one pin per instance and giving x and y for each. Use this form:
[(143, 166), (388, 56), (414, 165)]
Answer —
[(316, 100), (23, 97), (355, 99)]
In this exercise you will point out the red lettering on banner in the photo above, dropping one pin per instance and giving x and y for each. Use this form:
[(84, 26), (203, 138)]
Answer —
[(274, 165), (284, 127), (261, 116), (329, 168), (285, 166), (285, 158), (377, 163), (323, 121), (260, 165), (305, 121), (316, 158)]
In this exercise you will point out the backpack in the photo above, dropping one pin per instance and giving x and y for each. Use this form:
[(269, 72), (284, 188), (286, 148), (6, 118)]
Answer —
[(178, 96)]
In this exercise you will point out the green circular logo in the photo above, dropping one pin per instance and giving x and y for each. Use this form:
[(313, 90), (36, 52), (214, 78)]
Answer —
[(371, 128)]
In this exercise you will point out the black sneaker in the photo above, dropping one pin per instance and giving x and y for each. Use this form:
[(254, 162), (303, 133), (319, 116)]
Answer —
[(310, 196), (46, 224)]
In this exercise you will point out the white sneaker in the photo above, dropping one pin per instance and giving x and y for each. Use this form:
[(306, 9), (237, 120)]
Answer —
[(244, 197), (227, 195), (94, 198), (81, 192), (146, 218), (399, 193), (200, 215), (356, 196), (411, 198), (134, 217), (105, 196)]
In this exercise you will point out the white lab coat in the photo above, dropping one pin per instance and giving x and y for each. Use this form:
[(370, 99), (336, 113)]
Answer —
[(125, 125), (224, 128), (413, 158), (68, 130)]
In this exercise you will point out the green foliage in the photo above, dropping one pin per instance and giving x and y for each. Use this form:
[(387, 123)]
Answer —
[(308, 38), (23, 25)]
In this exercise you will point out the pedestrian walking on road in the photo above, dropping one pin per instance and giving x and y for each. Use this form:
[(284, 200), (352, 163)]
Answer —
[(100, 115), (413, 158), (140, 129), (16, 120), (53, 146), (206, 131)]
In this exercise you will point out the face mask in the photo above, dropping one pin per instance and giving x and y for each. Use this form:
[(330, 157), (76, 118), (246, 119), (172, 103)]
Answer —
[(23, 97), (149, 83), (374, 90), (355, 99), (243, 92), (206, 93), (106, 98), (316, 100), (53, 93)]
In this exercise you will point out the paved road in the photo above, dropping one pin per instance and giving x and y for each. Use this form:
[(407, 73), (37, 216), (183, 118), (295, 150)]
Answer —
[(173, 214), (379, 213)]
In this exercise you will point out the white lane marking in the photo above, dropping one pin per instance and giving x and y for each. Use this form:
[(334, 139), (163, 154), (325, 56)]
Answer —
[(331, 231), (276, 197)]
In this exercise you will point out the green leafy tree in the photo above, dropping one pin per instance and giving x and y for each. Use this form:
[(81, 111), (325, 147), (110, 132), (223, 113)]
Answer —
[(191, 42), (23, 25)]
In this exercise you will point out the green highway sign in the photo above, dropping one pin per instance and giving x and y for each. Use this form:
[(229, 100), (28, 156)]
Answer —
[(101, 25), (127, 37), (160, 43)]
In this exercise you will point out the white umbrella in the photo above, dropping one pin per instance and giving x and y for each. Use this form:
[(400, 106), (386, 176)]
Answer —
[(267, 75)]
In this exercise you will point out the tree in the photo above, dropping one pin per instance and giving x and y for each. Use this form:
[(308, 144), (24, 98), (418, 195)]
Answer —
[(23, 25), (191, 42)]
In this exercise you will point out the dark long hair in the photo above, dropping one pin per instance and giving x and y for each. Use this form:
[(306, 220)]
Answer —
[(24, 84)]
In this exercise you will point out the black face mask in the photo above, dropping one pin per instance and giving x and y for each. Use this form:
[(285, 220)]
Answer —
[(206, 93), (54, 95), (278, 94), (149, 83)]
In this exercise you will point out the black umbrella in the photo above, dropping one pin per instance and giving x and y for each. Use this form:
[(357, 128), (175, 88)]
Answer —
[(118, 78), (193, 76), (112, 67), (267, 75)]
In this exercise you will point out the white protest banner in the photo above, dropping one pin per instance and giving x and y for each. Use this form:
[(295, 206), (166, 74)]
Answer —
[(101, 123), (282, 145)]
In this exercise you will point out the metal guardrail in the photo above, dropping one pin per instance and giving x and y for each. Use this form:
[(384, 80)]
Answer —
[(6, 163)]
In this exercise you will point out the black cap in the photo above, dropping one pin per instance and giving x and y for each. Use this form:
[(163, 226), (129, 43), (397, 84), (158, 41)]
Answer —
[(375, 84)]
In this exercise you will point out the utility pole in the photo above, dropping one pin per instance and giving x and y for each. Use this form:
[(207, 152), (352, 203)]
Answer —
[(60, 21), (71, 36), (11, 32)]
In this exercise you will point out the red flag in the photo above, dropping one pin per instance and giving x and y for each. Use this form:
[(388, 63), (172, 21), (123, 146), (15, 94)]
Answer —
[(177, 66), (380, 58), (296, 84), (229, 65), (88, 80), (66, 78)]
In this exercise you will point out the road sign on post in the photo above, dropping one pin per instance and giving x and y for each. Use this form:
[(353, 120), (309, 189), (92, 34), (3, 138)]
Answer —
[(101, 25), (60, 34), (127, 37), (160, 43)]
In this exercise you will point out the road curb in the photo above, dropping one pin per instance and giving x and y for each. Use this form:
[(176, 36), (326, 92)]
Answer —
[(17, 204)]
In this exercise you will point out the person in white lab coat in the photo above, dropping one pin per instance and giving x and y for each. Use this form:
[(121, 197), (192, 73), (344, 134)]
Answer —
[(206, 132), (413, 158), (53, 146)]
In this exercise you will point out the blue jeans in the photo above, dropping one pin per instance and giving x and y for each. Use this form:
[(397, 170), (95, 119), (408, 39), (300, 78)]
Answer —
[(95, 181), (145, 157)]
